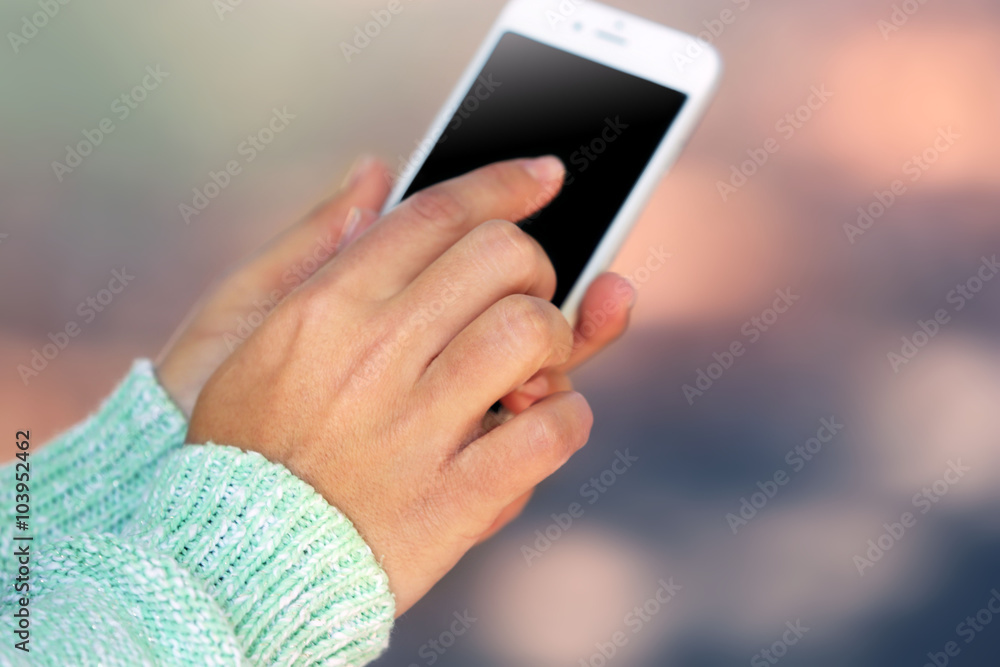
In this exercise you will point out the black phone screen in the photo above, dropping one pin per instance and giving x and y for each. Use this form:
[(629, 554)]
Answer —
[(533, 99)]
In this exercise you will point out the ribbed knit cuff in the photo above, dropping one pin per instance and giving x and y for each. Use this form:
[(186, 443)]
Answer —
[(297, 581), (92, 477)]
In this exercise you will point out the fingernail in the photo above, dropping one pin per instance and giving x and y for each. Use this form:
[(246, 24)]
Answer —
[(350, 226), (634, 293), (535, 387), (357, 171), (546, 169)]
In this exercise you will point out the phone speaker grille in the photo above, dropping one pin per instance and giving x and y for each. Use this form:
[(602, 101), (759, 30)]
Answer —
[(611, 37)]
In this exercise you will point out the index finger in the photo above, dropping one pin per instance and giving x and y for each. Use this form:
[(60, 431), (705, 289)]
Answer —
[(418, 231)]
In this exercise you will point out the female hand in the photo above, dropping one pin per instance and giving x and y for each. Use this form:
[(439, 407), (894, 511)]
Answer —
[(206, 338), (370, 381), (209, 334)]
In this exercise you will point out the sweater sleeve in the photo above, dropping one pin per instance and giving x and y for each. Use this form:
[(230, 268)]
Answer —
[(142, 551), (92, 477), (230, 559)]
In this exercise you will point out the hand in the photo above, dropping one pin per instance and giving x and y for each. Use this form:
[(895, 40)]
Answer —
[(370, 381), (209, 334)]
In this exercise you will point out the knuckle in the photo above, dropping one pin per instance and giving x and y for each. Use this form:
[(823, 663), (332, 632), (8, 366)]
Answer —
[(563, 342), (551, 438), (542, 434), (439, 206), (525, 322), (510, 249), (310, 307), (563, 431)]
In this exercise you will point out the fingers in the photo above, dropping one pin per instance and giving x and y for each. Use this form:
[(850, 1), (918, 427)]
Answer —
[(604, 315), (501, 466), (306, 246), (497, 352), (418, 231), (358, 221), (545, 383), (495, 260), (365, 187)]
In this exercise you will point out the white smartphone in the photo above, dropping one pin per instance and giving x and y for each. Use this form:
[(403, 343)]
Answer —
[(615, 96)]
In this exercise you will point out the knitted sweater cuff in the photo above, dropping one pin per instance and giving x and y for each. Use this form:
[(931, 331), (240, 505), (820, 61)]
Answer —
[(295, 578), (94, 474)]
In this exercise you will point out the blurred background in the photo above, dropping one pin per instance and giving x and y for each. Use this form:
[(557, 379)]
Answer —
[(785, 577)]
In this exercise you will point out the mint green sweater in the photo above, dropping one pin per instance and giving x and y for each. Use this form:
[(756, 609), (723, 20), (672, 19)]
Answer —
[(147, 552)]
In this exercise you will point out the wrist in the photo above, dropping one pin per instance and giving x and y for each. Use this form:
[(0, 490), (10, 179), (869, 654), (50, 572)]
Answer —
[(178, 380)]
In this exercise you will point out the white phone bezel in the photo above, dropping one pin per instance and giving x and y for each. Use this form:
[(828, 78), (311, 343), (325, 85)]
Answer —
[(616, 39)]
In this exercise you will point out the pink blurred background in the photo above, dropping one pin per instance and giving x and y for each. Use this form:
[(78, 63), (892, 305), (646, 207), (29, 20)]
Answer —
[(892, 95)]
